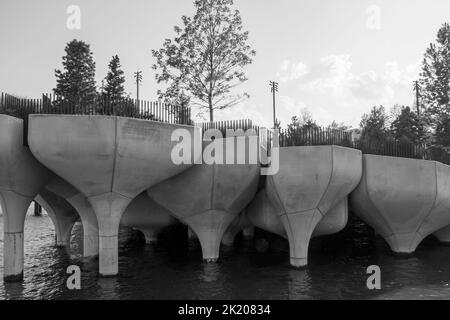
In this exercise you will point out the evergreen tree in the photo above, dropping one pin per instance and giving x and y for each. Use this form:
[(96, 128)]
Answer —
[(435, 87), (114, 81), (338, 126), (373, 125), (435, 76), (75, 85), (407, 127)]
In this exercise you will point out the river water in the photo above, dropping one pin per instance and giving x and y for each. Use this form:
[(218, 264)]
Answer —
[(256, 269)]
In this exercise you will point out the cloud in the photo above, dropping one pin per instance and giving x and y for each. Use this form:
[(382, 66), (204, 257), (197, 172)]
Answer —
[(291, 71), (332, 90)]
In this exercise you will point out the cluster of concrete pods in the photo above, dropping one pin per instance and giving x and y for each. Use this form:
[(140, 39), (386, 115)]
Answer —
[(111, 170)]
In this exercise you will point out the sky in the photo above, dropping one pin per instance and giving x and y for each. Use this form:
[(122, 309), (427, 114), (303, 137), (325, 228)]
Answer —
[(334, 58)]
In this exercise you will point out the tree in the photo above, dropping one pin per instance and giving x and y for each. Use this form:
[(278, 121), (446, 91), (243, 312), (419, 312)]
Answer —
[(206, 58), (407, 127), (300, 123), (114, 80), (373, 125), (338, 126), (435, 76), (76, 84), (297, 131)]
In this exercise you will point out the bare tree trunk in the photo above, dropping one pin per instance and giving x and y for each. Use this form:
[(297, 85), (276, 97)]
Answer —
[(211, 112)]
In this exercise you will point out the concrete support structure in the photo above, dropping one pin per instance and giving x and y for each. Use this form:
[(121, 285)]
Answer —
[(262, 214), (208, 197), (62, 214), (404, 200), (310, 181), (81, 204), (443, 235), (21, 178), (191, 234), (248, 233), (240, 223), (147, 216), (110, 160)]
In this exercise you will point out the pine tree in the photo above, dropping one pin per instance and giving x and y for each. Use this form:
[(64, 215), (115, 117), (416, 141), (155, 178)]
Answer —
[(114, 81), (407, 127), (374, 125), (75, 85), (435, 86), (435, 75)]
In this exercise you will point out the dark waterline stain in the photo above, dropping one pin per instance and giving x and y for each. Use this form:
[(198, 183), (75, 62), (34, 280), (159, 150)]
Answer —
[(258, 269)]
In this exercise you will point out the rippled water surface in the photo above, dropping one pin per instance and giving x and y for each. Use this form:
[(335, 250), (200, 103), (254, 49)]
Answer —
[(250, 270)]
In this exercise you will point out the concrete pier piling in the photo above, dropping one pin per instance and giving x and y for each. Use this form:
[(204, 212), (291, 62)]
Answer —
[(443, 235), (248, 233), (147, 216), (21, 179), (208, 197), (62, 214), (240, 223), (111, 170), (85, 211), (263, 215), (310, 181), (110, 160), (404, 200)]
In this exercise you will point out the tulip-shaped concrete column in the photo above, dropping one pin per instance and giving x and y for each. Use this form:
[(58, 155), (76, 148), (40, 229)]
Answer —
[(147, 216), (110, 160), (443, 235), (239, 223), (81, 204), (404, 200), (207, 197), (21, 178), (62, 214), (310, 181), (262, 214)]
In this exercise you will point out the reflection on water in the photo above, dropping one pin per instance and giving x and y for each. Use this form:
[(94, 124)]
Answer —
[(173, 269)]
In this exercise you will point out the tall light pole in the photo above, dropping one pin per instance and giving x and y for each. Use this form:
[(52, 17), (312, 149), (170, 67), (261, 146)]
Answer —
[(416, 88), (274, 90), (138, 77)]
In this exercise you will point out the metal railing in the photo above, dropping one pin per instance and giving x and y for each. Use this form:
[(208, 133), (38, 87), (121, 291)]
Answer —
[(98, 105)]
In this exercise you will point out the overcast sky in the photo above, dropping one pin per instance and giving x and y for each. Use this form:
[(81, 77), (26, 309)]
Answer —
[(337, 58)]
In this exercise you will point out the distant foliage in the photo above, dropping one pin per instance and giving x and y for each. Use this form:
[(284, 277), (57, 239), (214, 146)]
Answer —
[(435, 76), (374, 125), (435, 87), (408, 127)]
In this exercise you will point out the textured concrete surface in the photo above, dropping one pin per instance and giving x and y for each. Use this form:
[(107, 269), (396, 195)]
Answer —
[(84, 209), (21, 178), (404, 200), (62, 214), (262, 214), (208, 197), (310, 181), (146, 215), (110, 160), (240, 223), (443, 235)]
